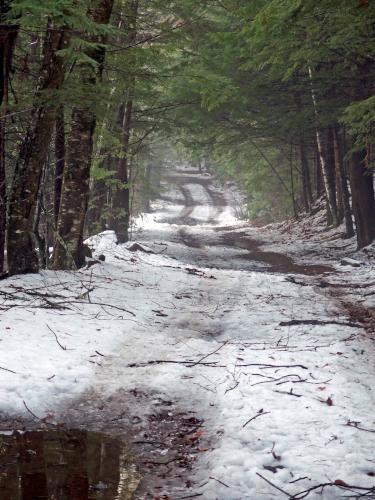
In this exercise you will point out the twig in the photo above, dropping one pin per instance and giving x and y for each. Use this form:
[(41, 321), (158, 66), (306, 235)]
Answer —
[(318, 322), (265, 365), (7, 370), (259, 414), (350, 423), (209, 354), (31, 413), (57, 340), (274, 485), (221, 482), (299, 479), (98, 304), (185, 363), (289, 393), (273, 379), (195, 495)]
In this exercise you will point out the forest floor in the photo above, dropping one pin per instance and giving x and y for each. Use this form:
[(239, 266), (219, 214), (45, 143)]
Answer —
[(236, 362)]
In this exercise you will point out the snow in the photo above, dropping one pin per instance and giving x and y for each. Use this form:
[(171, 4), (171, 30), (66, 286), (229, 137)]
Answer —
[(273, 395)]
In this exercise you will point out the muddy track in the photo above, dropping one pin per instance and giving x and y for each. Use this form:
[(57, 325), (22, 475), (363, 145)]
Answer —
[(217, 200), (275, 262)]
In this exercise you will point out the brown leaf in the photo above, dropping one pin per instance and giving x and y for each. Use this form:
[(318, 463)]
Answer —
[(340, 482), (329, 402)]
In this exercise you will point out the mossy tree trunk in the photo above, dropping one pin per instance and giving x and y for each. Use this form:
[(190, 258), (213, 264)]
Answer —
[(121, 198), (8, 35), (22, 256), (68, 248)]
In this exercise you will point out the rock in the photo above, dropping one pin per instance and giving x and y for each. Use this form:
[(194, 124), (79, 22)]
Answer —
[(136, 247), (91, 262), (347, 261)]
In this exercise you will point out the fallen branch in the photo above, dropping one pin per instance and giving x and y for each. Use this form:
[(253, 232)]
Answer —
[(338, 483), (351, 423), (259, 414), (318, 322), (100, 304), (212, 364), (195, 495), (274, 380), (265, 365)]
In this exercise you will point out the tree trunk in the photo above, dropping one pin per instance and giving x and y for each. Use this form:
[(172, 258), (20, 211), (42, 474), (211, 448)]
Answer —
[(3, 195), (68, 249), (292, 187), (360, 175), (60, 161), (362, 188), (305, 174), (342, 181), (330, 173), (100, 198), (318, 175), (326, 171), (121, 199), (22, 257), (8, 35)]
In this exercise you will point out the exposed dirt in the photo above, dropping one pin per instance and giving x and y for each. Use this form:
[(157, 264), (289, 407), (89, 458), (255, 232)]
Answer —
[(188, 239), (217, 199), (164, 442), (356, 311), (276, 262)]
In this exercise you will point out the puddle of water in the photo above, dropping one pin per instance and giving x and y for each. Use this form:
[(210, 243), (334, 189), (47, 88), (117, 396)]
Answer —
[(60, 464)]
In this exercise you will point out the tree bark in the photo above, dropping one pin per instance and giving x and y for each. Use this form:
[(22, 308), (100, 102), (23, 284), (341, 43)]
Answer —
[(360, 176), (8, 35), (121, 199), (305, 174), (330, 173), (318, 175), (22, 257), (68, 249), (362, 188), (342, 181), (329, 191), (292, 187), (60, 161)]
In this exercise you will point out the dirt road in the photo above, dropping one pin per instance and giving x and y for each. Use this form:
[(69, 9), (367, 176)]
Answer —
[(225, 369)]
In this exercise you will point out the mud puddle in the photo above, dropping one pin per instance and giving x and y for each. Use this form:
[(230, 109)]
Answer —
[(61, 464), (276, 262), (167, 440)]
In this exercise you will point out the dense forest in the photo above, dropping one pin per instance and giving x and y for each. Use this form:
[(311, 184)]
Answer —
[(96, 95)]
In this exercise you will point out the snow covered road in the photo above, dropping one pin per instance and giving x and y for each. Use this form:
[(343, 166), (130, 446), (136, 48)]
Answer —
[(280, 376)]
